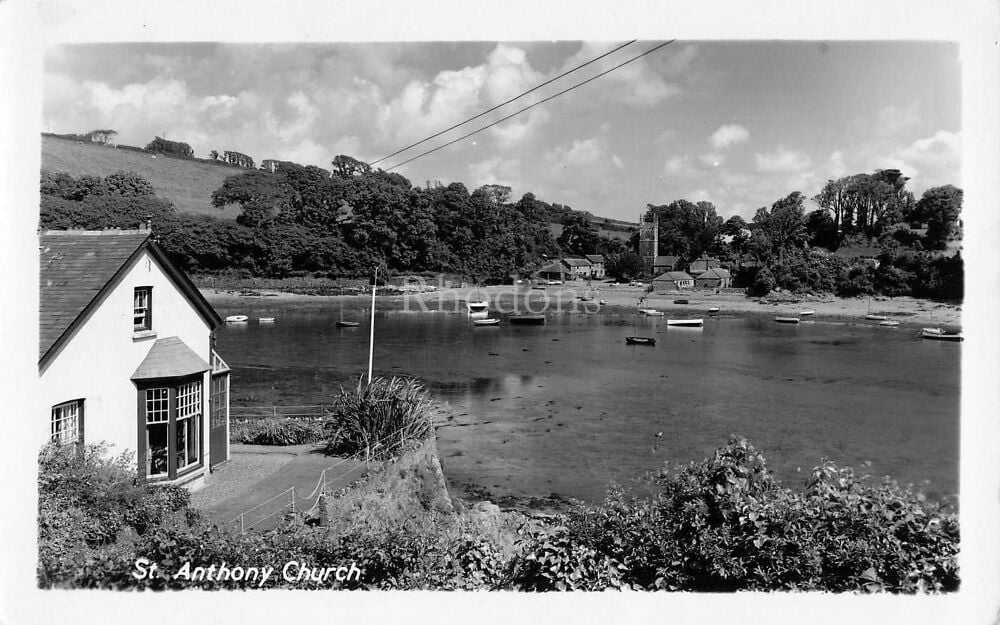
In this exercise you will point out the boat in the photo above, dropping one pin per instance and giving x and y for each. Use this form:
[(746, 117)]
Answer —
[(686, 323), (265, 319), (681, 301), (807, 313), (485, 322), (525, 319), (347, 324), (477, 307), (236, 318), (640, 340), (876, 317), (938, 334), (651, 312), (713, 310), (889, 323), (602, 302), (786, 319)]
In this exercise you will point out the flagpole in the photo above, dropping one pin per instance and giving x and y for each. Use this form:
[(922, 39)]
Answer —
[(371, 336)]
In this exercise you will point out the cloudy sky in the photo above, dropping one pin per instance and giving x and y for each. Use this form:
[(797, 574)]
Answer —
[(737, 123)]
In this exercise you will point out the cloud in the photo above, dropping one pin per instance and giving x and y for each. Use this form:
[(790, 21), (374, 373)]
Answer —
[(520, 129), (729, 135), (580, 153), (679, 166), (618, 162), (835, 164), (931, 161), (891, 120), (497, 170), (712, 159), (782, 161)]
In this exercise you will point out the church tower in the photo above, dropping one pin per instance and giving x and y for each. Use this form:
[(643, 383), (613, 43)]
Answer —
[(649, 239)]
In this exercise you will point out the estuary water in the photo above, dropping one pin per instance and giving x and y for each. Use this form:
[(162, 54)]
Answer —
[(569, 408)]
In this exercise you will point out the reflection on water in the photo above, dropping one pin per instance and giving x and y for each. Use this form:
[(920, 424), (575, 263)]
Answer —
[(568, 407)]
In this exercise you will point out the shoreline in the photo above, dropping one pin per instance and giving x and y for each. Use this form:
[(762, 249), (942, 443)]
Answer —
[(563, 299)]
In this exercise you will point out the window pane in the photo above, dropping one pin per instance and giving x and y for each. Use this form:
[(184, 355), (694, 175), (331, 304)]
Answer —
[(65, 424), (182, 436), (156, 448)]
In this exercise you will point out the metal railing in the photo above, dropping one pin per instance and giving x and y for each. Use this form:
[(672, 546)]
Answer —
[(263, 411)]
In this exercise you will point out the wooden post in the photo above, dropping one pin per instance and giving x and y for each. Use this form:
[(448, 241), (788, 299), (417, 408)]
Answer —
[(371, 335)]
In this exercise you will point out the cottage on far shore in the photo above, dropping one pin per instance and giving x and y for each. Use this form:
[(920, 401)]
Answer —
[(672, 281)]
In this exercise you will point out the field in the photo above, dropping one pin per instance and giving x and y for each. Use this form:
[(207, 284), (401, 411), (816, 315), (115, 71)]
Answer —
[(187, 183)]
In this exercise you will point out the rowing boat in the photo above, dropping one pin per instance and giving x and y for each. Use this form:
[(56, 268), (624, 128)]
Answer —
[(640, 340), (786, 319), (688, 323)]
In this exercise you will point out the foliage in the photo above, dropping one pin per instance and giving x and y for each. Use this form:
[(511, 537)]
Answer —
[(686, 229), (624, 267), (809, 270), (939, 208), (376, 419), (277, 431), (579, 237), (174, 148)]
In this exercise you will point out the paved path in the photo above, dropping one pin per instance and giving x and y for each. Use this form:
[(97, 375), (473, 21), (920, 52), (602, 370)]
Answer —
[(257, 480)]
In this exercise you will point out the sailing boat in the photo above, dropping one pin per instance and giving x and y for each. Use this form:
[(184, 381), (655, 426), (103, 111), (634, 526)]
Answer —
[(341, 323), (870, 316), (640, 340)]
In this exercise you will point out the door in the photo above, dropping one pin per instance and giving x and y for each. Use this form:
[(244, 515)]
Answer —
[(218, 431)]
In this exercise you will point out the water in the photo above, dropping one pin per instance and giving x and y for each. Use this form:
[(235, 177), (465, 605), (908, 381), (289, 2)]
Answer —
[(568, 407)]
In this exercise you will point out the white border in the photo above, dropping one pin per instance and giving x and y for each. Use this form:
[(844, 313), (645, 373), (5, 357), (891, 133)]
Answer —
[(27, 27)]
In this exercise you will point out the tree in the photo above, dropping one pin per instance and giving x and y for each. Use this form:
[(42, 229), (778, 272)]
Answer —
[(261, 196), (821, 230), (784, 225), (128, 183), (176, 148), (348, 167), (688, 230), (579, 237), (940, 208), (624, 267)]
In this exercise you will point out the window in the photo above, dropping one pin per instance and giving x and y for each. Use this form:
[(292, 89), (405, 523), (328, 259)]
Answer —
[(142, 309), (172, 420), (67, 423)]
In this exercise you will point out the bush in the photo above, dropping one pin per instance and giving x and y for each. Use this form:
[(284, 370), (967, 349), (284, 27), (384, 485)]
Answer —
[(277, 431), (376, 419)]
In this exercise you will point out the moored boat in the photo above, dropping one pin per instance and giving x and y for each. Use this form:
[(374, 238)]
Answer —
[(938, 334), (526, 319), (876, 317), (485, 322), (236, 318), (786, 319), (640, 340), (713, 310), (347, 324), (651, 312), (477, 307), (688, 323), (806, 313), (265, 319), (889, 323), (681, 301)]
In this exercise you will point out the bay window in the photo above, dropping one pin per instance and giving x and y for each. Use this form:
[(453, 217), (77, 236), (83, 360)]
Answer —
[(170, 421)]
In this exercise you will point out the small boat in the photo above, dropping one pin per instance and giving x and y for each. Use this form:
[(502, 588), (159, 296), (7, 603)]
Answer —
[(265, 319), (602, 303), (477, 307), (876, 317), (688, 323), (713, 310), (535, 319), (938, 334), (347, 324), (236, 318), (640, 340), (889, 323), (485, 322), (479, 314), (786, 319), (651, 312), (681, 301), (806, 313)]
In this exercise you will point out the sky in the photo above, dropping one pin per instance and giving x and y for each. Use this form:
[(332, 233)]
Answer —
[(740, 124)]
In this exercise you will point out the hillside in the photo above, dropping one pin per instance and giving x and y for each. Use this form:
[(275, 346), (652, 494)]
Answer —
[(188, 183)]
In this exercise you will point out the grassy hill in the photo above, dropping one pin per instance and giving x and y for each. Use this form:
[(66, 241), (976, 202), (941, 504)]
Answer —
[(188, 183)]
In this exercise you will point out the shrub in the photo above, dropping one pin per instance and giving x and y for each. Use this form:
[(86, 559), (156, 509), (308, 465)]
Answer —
[(277, 431), (376, 419)]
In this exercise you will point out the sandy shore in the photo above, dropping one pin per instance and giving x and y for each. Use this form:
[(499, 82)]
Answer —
[(566, 298)]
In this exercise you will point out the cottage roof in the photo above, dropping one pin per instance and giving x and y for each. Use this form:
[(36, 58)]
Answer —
[(78, 267), (576, 262), (673, 276), (169, 358), (666, 260), (715, 272), (552, 268), (595, 258)]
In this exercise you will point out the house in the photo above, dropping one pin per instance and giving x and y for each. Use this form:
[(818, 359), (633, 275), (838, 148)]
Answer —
[(577, 268), (672, 281), (596, 266), (713, 279), (703, 264), (552, 271), (665, 263), (126, 355)]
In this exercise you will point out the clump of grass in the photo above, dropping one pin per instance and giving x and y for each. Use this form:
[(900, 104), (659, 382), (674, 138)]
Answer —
[(277, 431), (377, 419)]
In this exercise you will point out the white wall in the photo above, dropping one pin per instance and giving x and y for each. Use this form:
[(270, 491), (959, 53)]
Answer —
[(97, 362)]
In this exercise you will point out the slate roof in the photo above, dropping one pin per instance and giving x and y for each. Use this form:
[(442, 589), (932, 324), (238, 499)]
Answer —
[(552, 268), (169, 358), (666, 260), (75, 266), (576, 262), (78, 266), (715, 272), (673, 276), (595, 258)]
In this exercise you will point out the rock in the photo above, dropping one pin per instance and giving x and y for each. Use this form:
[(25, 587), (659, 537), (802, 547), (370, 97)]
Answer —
[(486, 507)]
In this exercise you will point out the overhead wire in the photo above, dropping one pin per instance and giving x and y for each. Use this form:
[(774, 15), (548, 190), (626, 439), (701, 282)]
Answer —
[(531, 106), (502, 104)]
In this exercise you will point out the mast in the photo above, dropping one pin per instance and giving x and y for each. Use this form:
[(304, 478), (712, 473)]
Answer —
[(371, 335)]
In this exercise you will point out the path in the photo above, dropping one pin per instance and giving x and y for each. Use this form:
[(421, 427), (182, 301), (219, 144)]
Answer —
[(256, 479)]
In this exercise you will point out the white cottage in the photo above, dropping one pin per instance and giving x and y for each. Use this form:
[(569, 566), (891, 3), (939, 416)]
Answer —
[(126, 354)]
